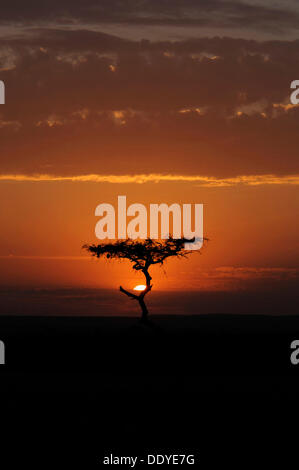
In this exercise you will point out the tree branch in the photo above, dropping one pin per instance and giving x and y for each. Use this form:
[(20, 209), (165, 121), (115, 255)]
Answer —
[(129, 294)]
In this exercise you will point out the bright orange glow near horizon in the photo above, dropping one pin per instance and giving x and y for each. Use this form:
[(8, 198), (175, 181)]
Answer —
[(140, 287), (41, 244)]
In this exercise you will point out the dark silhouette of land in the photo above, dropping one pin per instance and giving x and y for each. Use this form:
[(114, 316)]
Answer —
[(213, 344), (187, 384)]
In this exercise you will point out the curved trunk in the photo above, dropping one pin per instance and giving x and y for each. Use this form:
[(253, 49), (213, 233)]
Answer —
[(141, 296), (143, 309)]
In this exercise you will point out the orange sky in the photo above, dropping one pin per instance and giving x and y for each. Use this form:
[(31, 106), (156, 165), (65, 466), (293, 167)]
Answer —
[(44, 225), (161, 103)]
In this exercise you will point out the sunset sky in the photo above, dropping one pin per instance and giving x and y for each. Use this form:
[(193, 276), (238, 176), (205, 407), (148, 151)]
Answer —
[(162, 101)]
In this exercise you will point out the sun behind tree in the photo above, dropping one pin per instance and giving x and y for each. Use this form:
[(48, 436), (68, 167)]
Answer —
[(142, 254)]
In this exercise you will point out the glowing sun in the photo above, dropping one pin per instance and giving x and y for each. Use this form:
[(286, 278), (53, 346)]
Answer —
[(140, 287)]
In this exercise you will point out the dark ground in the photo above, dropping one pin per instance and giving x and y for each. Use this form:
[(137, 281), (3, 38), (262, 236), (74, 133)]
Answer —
[(209, 344), (219, 386)]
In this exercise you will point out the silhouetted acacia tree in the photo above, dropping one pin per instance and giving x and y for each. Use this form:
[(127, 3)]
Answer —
[(142, 254)]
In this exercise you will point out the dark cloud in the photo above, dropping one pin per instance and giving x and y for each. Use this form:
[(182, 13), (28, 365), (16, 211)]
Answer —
[(82, 101), (222, 13)]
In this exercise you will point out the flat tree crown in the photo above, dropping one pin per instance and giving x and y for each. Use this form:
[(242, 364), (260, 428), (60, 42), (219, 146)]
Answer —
[(142, 253)]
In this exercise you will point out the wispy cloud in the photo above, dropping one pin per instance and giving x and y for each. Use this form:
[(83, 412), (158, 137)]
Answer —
[(205, 181), (245, 272), (239, 278)]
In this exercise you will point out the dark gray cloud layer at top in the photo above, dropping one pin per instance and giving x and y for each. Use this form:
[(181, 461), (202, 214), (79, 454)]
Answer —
[(221, 103), (261, 15)]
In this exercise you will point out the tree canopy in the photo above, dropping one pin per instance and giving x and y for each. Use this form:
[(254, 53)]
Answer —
[(142, 254)]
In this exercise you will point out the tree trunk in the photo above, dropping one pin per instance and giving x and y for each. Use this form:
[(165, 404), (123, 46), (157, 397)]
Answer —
[(140, 297), (144, 309)]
